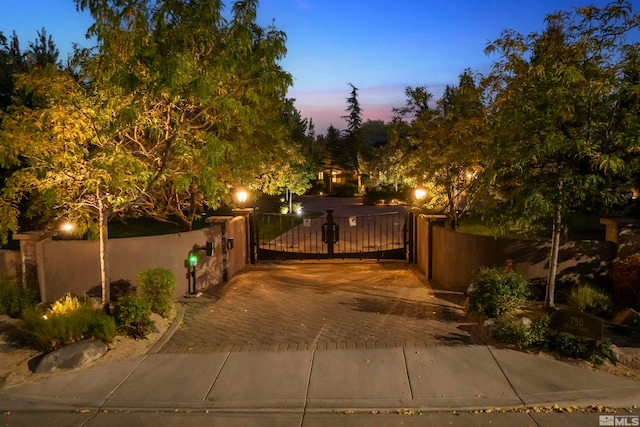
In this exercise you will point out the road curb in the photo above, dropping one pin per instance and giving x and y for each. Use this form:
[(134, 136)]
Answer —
[(170, 331)]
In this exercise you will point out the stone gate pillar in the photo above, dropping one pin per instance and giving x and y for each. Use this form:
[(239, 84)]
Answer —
[(31, 258)]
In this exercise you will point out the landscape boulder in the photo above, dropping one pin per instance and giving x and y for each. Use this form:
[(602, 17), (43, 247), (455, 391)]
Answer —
[(72, 356), (627, 317)]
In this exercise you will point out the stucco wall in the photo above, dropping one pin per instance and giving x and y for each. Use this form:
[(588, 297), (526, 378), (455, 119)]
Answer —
[(73, 265), (237, 256), (422, 244), (457, 257), (10, 263)]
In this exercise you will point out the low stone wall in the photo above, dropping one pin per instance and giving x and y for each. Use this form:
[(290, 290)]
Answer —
[(457, 257)]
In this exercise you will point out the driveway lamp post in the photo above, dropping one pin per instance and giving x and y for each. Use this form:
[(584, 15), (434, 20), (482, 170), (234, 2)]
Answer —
[(248, 214), (420, 194), (241, 196)]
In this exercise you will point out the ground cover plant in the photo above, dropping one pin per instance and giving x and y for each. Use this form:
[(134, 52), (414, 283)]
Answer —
[(537, 335), (590, 298), (68, 320), (14, 298)]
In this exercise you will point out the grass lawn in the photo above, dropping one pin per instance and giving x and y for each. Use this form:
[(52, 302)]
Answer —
[(580, 227), (273, 225)]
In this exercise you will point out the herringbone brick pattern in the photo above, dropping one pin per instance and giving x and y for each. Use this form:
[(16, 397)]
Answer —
[(319, 305)]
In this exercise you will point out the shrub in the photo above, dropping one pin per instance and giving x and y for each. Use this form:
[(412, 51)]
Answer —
[(14, 298), (590, 299), (158, 285), (72, 320), (581, 348), (625, 276), (133, 315), (497, 292), (344, 190), (523, 336)]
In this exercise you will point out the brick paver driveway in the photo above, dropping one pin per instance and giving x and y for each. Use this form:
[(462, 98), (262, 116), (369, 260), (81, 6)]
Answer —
[(297, 305)]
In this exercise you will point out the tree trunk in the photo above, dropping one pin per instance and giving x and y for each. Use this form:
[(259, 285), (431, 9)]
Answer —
[(453, 216), (553, 263), (103, 217)]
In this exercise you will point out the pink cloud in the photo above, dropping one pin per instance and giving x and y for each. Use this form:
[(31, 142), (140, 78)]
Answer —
[(326, 107)]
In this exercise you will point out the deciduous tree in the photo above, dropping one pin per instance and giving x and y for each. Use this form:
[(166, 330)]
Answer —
[(174, 107), (558, 147)]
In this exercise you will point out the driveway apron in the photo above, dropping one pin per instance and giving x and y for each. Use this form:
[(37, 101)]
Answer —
[(304, 305)]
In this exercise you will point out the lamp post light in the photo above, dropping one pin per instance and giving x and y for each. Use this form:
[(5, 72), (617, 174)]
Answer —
[(248, 214), (420, 193), (242, 195)]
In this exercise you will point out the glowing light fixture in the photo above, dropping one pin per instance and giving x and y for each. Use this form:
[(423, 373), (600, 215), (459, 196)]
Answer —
[(420, 193), (242, 195)]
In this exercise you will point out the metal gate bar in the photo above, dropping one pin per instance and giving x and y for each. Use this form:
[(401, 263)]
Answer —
[(377, 236)]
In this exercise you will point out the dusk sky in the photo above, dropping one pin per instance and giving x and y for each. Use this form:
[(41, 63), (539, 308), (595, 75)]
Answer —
[(378, 45)]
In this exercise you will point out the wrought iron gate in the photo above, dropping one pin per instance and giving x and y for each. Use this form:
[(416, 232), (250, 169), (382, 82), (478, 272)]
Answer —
[(379, 236)]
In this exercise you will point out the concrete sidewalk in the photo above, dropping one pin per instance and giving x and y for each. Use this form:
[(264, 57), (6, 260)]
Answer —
[(376, 379), (312, 387)]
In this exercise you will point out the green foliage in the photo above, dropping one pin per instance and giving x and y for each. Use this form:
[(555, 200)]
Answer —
[(497, 292), (512, 331), (158, 286), (537, 335), (376, 195), (445, 145), (14, 298), (586, 297), (625, 277), (344, 190), (570, 345), (47, 330), (68, 304), (133, 315)]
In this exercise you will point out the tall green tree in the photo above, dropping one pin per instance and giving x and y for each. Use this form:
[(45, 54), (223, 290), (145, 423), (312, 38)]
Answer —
[(42, 51), (447, 145), (74, 161), (353, 138), (290, 166), (206, 94), (11, 62), (175, 106), (452, 141), (557, 146), (396, 161)]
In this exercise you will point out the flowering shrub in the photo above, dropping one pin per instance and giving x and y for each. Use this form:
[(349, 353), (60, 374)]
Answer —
[(68, 320)]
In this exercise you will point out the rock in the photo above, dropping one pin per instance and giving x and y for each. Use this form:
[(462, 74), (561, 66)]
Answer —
[(627, 355), (72, 356), (618, 354), (627, 317), (525, 321), (6, 322), (469, 290), (157, 321), (489, 326)]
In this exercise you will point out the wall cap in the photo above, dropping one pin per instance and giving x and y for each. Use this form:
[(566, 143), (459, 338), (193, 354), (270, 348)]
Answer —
[(34, 235)]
